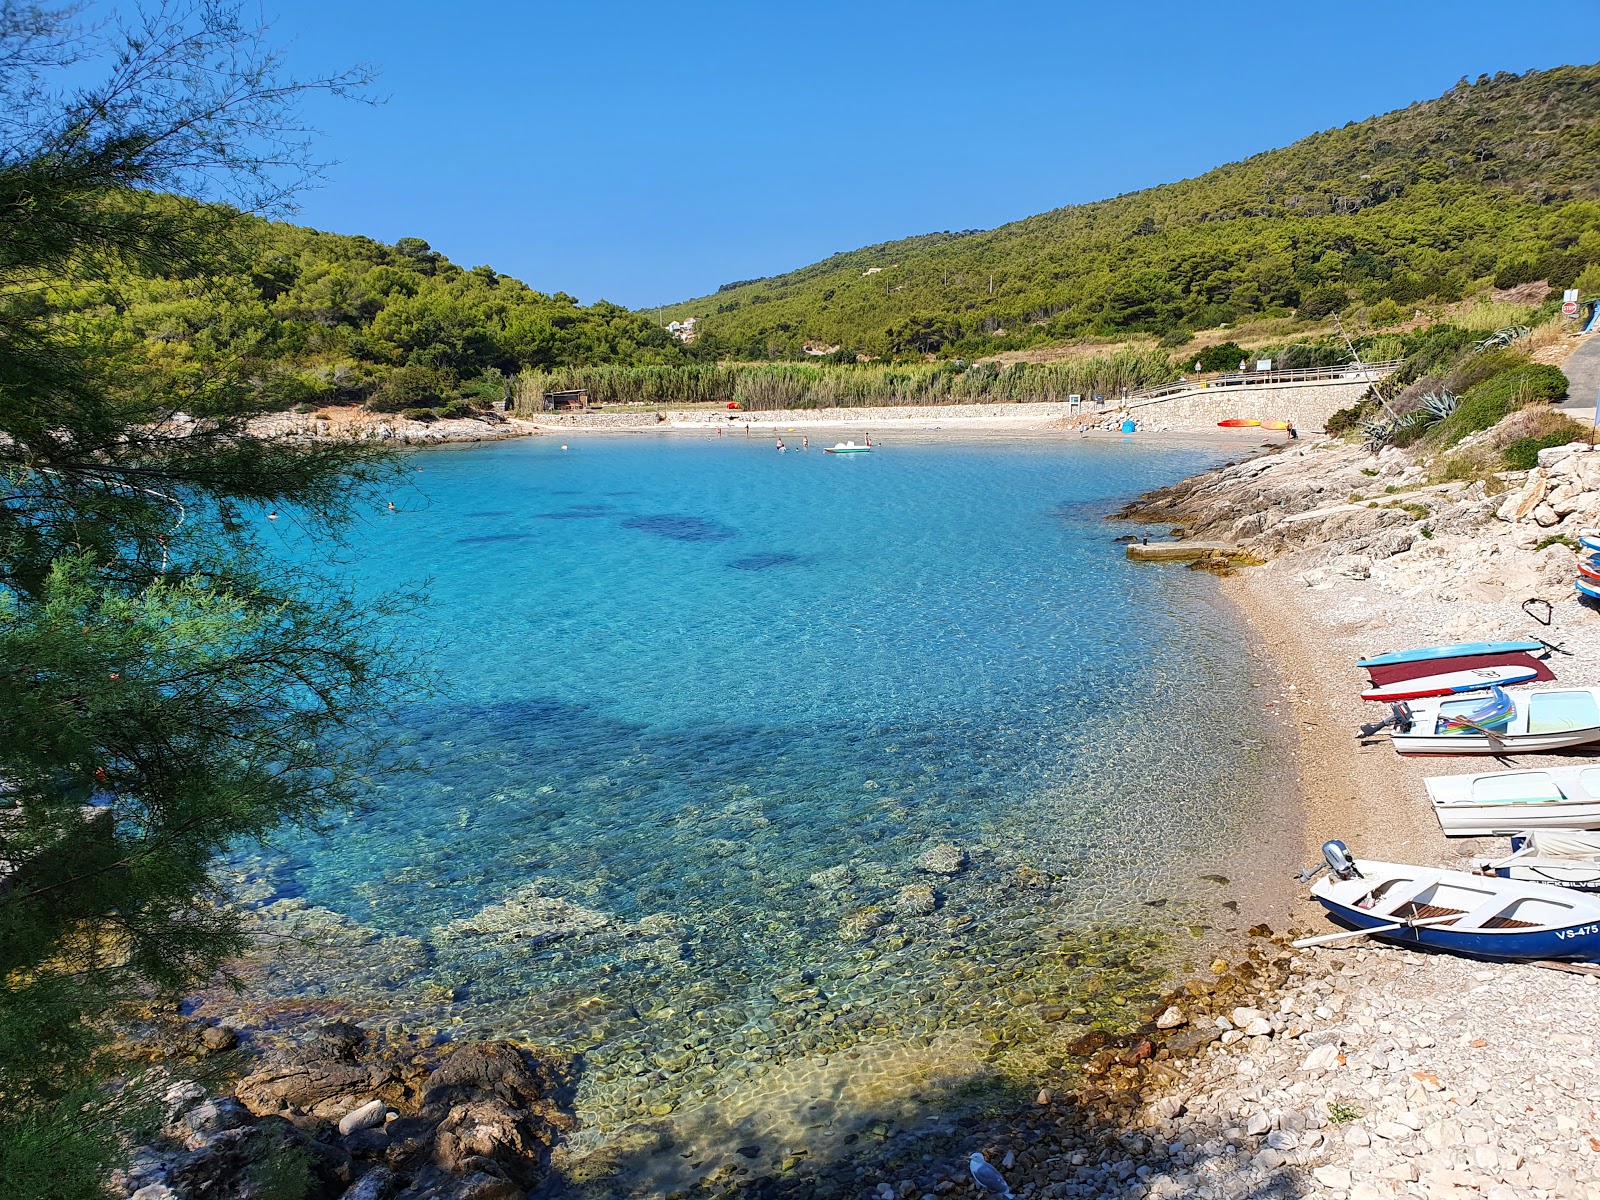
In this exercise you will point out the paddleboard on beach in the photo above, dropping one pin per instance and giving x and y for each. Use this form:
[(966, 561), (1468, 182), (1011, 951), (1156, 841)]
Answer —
[(1449, 682), (1238, 423), (1424, 653)]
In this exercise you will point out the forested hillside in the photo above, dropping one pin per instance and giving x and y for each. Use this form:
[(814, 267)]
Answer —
[(1497, 181), (325, 318)]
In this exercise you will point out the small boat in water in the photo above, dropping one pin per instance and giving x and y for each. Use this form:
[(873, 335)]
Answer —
[(1461, 650), (1479, 916), (1509, 803), (849, 448), (1496, 723)]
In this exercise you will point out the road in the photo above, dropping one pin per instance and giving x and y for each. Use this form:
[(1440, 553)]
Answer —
[(1582, 369)]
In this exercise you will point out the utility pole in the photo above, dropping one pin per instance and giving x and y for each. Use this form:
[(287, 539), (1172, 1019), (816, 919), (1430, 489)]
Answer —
[(991, 285), (1365, 374)]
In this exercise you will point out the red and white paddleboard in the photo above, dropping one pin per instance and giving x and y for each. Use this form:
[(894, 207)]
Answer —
[(1449, 682)]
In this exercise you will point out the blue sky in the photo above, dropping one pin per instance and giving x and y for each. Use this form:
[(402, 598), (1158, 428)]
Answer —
[(645, 153)]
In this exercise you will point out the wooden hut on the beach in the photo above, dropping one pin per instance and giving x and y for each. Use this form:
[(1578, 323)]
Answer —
[(571, 400)]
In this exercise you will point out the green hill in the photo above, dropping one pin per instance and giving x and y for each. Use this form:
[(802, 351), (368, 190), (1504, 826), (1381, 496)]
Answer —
[(1494, 182), (322, 318)]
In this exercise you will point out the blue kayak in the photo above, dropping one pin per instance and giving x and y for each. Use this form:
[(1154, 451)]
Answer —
[(1589, 588), (1425, 653), (1589, 541)]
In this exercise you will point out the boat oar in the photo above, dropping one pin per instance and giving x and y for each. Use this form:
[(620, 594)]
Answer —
[(1302, 943)]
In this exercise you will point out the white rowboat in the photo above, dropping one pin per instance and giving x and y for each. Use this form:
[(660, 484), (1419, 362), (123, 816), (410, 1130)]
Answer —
[(1506, 803), (1475, 915)]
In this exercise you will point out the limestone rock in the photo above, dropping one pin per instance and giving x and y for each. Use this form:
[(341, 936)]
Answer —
[(946, 858), (1336, 1178), (915, 900), (364, 1117), (1171, 1018), (324, 1073), (528, 915)]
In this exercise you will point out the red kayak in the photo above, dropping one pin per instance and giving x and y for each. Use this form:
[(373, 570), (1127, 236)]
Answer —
[(1238, 423), (1591, 572)]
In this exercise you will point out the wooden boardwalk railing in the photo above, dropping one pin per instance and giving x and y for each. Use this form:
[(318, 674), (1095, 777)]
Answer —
[(1233, 381)]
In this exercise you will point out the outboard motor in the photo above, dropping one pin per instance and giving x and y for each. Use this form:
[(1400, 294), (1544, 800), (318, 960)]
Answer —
[(1401, 713), (1337, 855)]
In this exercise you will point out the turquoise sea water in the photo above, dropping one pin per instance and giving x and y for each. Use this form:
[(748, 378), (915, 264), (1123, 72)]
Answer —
[(705, 705)]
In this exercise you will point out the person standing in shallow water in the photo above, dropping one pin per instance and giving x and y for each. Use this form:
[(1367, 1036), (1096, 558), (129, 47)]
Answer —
[(780, 444)]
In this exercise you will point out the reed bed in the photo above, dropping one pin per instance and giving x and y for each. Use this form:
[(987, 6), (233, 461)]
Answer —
[(768, 386)]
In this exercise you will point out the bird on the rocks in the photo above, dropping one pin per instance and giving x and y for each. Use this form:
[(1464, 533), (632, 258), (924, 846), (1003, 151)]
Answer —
[(988, 1178)]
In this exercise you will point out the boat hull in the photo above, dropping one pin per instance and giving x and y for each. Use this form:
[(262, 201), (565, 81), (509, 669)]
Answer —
[(1477, 916), (1513, 743), (1511, 803), (1579, 942), (1508, 820)]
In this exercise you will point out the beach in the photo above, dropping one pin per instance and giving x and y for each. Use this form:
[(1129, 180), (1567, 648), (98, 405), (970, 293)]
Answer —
[(1043, 419)]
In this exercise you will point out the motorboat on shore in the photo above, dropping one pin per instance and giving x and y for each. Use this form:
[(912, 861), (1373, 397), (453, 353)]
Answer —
[(848, 448), (1496, 723), (1508, 803), (1479, 916), (1557, 857)]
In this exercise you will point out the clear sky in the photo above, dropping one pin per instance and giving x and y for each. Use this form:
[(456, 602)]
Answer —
[(645, 153)]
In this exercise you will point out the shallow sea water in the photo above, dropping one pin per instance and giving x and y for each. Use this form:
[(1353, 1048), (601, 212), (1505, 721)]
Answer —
[(705, 706)]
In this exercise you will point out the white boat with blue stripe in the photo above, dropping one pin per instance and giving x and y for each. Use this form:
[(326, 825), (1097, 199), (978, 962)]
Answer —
[(1479, 916)]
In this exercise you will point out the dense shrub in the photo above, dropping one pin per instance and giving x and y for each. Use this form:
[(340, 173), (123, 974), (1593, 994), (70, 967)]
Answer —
[(1223, 358), (1475, 368), (1346, 419), (457, 408), (1494, 399), (1322, 301), (1386, 312), (1523, 454), (411, 387), (419, 414)]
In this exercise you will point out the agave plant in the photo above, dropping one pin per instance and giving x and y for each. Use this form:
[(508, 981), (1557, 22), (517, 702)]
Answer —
[(1439, 405), (1503, 337), (1375, 435)]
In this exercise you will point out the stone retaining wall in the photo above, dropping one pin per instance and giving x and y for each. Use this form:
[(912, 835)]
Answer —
[(1308, 405)]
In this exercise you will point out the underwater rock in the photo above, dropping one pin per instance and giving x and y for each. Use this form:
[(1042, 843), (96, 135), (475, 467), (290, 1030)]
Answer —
[(831, 879), (861, 923), (946, 858), (527, 915), (915, 900)]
